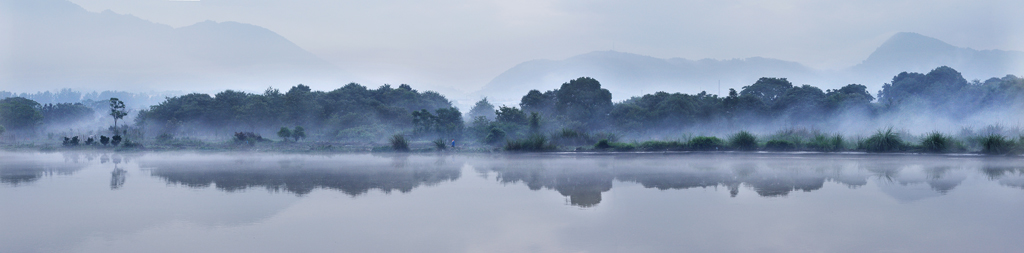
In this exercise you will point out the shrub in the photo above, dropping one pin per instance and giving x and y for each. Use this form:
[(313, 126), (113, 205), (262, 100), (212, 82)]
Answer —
[(793, 135), (495, 135), (130, 144), (662, 145), (936, 142), (704, 143), (780, 145), (743, 141), (398, 143), (298, 133), (440, 145), (884, 141), (825, 143), (247, 137), (571, 137), (104, 140), (605, 144), (994, 144), (284, 133), (115, 140), (167, 137), (89, 141), (535, 142)]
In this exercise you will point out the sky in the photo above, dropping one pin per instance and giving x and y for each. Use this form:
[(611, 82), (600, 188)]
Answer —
[(460, 45)]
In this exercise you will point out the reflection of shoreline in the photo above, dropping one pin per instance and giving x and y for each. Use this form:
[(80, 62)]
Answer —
[(18, 169), (352, 175), (584, 180)]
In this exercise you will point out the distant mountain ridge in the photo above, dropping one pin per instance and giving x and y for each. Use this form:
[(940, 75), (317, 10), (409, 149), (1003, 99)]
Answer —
[(913, 52), (630, 74), (627, 75), (81, 49)]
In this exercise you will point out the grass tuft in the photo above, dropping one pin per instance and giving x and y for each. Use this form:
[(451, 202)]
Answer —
[(743, 141), (995, 144), (936, 142), (704, 143), (780, 145), (884, 141), (605, 144), (825, 143), (535, 142), (662, 145), (440, 145), (399, 143)]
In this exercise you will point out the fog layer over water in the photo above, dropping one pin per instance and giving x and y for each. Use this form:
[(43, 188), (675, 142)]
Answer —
[(721, 202)]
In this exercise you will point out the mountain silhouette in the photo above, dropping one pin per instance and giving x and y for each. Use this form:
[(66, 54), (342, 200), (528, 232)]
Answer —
[(912, 52), (57, 44), (627, 75)]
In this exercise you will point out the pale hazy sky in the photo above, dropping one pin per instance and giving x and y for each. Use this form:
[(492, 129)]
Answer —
[(463, 44)]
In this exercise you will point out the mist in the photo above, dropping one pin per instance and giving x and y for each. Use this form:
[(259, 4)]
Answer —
[(224, 75)]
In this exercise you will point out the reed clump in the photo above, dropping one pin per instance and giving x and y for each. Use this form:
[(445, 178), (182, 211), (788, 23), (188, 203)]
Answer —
[(883, 141), (440, 145), (662, 146), (704, 143), (827, 143), (995, 144), (780, 145), (936, 142), (535, 142), (743, 141), (605, 144), (399, 143)]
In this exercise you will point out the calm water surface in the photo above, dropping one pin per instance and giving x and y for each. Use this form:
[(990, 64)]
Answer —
[(189, 202)]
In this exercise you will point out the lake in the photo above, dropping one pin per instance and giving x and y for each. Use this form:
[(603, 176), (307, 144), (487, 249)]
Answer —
[(552, 202)]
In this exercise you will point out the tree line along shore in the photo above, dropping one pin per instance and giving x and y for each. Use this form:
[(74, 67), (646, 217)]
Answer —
[(938, 112)]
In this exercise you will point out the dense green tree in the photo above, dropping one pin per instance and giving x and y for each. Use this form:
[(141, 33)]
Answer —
[(583, 100), (938, 86), (510, 115), (447, 123), (20, 114), (543, 103), (534, 122), (66, 113), (482, 108), (852, 96), (743, 108), (117, 111), (299, 133), (284, 133), (801, 104), (767, 89), (349, 112)]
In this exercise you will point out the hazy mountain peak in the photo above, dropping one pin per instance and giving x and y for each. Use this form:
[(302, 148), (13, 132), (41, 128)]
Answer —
[(627, 74), (906, 46), (912, 52), (83, 49)]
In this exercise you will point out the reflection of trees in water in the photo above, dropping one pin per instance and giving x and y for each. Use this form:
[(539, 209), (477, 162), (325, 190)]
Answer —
[(18, 169), (766, 179), (300, 176), (940, 178), (582, 184), (117, 178), (584, 180), (1010, 176)]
